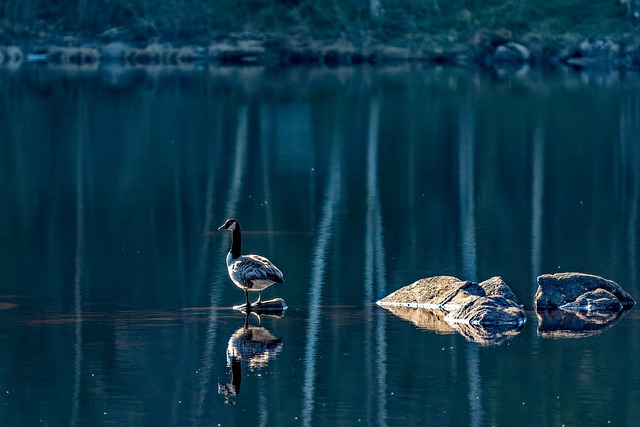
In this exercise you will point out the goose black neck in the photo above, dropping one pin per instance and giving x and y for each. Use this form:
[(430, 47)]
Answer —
[(236, 242)]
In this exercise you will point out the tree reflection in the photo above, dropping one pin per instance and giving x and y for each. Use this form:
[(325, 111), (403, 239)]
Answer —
[(117, 186), (374, 277)]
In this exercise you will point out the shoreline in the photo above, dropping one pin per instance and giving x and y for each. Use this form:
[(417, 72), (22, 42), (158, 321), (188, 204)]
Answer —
[(580, 53)]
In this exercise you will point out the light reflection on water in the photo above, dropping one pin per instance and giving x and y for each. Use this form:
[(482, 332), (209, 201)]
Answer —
[(114, 299)]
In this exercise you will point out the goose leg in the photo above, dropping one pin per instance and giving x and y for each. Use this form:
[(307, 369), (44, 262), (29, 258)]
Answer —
[(259, 300), (246, 306), (246, 296)]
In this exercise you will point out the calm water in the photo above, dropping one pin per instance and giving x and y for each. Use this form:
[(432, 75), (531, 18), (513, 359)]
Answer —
[(115, 301)]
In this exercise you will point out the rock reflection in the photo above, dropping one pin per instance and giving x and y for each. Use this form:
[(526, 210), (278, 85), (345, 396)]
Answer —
[(249, 346), (435, 321), (7, 305), (575, 324), (487, 334)]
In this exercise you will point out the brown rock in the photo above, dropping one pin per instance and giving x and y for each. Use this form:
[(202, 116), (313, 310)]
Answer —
[(487, 303)]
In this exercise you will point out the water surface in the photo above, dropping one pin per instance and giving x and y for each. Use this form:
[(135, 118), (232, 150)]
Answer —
[(115, 301)]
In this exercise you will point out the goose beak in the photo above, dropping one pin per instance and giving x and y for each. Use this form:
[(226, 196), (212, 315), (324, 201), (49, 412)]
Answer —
[(222, 227)]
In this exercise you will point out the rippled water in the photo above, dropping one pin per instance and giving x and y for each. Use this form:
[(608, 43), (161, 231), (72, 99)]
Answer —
[(114, 297)]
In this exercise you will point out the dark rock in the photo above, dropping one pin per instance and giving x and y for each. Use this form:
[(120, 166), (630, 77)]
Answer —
[(487, 303), (598, 300), (489, 310), (273, 307), (577, 291)]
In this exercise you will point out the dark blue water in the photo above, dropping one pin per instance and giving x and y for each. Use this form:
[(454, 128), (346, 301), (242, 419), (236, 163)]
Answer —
[(114, 296)]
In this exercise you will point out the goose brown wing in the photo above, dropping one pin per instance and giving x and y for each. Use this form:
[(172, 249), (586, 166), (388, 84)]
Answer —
[(258, 268)]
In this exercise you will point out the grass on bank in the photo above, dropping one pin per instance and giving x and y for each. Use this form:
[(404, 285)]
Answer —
[(200, 21)]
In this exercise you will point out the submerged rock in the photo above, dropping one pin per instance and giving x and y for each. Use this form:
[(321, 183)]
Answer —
[(582, 292), (486, 303)]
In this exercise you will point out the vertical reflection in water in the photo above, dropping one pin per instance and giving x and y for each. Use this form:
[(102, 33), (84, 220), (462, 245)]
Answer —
[(263, 419), (374, 272), (537, 200), (629, 129), (239, 161), (466, 167), (179, 215), (266, 127), (325, 235), (537, 229), (81, 123), (235, 188)]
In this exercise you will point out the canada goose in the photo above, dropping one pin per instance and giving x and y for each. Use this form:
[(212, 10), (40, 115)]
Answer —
[(248, 272)]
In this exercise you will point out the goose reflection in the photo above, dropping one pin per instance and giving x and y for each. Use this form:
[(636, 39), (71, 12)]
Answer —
[(249, 346)]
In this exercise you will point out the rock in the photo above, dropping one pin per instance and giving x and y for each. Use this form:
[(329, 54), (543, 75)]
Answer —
[(511, 53), (273, 307), (487, 303), (489, 310), (10, 55), (79, 56), (116, 50), (238, 52), (595, 54), (578, 291), (598, 300), (598, 49)]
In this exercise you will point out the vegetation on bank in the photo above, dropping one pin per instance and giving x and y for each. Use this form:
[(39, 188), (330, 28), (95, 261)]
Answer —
[(433, 26)]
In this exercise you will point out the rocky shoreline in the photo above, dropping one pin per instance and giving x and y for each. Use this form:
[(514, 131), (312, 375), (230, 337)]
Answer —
[(506, 55)]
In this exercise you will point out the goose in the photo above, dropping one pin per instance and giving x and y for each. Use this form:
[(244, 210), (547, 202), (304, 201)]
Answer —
[(248, 272)]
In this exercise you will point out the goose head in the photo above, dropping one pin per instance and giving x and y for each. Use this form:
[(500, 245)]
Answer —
[(230, 224)]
